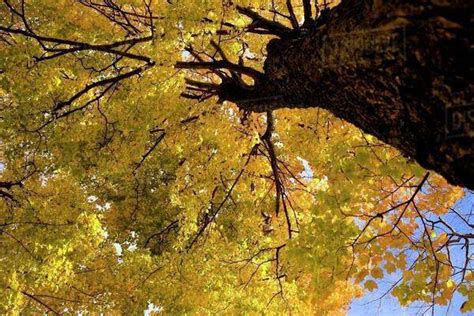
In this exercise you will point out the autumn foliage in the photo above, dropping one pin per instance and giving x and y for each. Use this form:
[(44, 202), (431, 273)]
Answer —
[(117, 193)]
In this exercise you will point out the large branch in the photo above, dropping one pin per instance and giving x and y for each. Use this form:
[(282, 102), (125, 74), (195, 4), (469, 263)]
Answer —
[(221, 64), (261, 25)]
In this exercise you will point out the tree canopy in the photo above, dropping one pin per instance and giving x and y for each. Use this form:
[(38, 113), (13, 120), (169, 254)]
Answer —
[(117, 193)]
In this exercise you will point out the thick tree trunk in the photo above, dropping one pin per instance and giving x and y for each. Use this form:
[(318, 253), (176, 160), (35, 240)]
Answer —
[(399, 70)]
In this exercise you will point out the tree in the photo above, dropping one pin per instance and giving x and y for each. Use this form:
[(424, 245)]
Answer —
[(393, 70), (116, 194)]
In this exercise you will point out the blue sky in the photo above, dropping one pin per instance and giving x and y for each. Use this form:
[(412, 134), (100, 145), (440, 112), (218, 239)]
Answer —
[(371, 305)]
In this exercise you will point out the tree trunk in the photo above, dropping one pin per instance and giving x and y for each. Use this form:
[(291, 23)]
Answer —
[(399, 70)]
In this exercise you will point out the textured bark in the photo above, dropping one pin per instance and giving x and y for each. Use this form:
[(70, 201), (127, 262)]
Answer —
[(393, 69)]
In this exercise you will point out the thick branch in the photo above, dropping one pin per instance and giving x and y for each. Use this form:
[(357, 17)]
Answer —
[(261, 25), (220, 64)]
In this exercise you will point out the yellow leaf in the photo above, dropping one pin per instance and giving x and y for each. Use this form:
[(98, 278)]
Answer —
[(449, 284), (377, 273), (370, 285), (408, 275), (390, 267)]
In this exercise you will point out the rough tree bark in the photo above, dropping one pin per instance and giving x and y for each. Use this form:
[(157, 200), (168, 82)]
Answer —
[(395, 69)]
